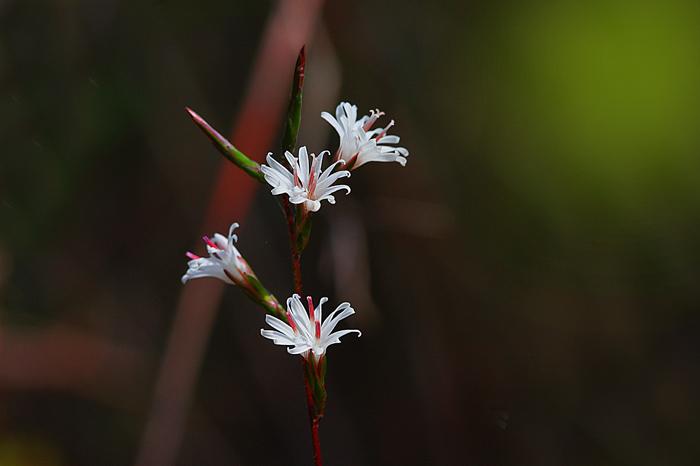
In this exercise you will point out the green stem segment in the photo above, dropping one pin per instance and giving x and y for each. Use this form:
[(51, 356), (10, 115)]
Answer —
[(258, 294), (293, 119)]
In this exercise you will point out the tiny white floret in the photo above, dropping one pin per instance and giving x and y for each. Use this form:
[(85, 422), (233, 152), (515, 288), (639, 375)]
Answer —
[(305, 333), (224, 261), (305, 184), (359, 143)]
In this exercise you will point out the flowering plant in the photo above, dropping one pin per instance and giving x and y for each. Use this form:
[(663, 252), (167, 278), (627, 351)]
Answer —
[(304, 183)]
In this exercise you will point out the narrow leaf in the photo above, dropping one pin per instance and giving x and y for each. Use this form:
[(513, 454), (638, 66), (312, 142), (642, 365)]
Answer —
[(235, 156), (293, 119)]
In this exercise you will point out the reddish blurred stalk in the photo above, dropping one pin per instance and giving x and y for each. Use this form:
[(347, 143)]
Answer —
[(289, 26)]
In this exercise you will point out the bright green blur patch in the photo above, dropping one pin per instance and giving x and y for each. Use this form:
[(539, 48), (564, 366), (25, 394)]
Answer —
[(597, 104)]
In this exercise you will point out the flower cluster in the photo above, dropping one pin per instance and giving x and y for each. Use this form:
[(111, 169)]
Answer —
[(306, 183)]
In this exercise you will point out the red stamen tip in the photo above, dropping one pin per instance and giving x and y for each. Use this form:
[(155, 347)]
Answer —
[(312, 177), (192, 256), (291, 321), (210, 243), (311, 308), (297, 183)]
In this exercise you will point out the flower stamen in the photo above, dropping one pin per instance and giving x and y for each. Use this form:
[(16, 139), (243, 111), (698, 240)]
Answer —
[(297, 183), (383, 133), (373, 117), (210, 243), (312, 178), (311, 308), (290, 319)]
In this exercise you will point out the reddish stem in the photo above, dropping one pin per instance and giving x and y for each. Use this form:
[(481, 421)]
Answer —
[(313, 420), (296, 256), (297, 273)]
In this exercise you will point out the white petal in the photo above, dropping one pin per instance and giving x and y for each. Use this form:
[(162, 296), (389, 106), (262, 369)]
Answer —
[(299, 315), (299, 348), (291, 159), (342, 311), (334, 123), (334, 338), (277, 338), (303, 166), (279, 325), (319, 311)]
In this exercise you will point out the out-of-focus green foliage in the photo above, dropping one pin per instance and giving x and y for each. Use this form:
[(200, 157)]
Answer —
[(592, 105)]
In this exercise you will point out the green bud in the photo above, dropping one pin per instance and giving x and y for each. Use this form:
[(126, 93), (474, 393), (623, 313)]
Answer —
[(235, 156), (293, 119)]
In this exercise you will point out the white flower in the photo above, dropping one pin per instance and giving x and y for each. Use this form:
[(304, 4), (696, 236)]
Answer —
[(305, 184), (224, 261), (305, 332), (358, 143)]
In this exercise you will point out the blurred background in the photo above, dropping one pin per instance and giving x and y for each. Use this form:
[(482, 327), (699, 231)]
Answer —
[(538, 259)]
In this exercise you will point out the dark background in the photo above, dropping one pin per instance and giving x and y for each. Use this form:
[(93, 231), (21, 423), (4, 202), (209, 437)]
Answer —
[(538, 256)]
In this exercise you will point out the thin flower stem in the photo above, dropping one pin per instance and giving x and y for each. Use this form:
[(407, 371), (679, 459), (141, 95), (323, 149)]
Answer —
[(296, 256), (297, 273), (313, 421)]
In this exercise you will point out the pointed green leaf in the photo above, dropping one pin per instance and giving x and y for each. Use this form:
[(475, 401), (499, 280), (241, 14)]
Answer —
[(235, 156), (293, 119)]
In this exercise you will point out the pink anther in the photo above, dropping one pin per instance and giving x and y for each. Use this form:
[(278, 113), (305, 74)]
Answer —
[(311, 308), (291, 322), (373, 116), (210, 243)]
